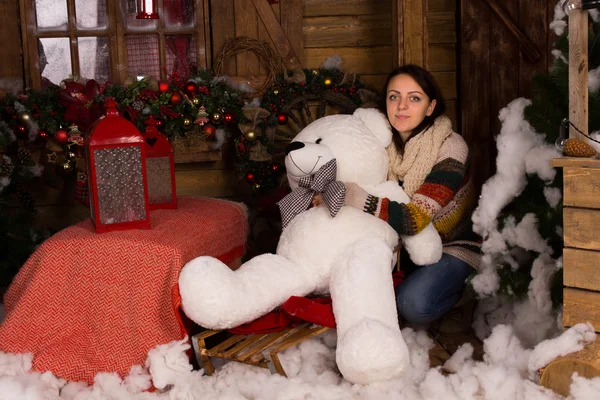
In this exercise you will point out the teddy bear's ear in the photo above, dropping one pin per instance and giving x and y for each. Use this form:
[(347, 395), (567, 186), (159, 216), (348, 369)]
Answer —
[(376, 122)]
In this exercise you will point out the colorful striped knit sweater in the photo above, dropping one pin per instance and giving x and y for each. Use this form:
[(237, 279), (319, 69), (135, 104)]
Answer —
[(447, 198)]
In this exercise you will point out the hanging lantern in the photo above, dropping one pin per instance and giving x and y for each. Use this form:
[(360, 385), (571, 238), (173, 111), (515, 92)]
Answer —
[(160, 168), (116, 169), (147, 9)]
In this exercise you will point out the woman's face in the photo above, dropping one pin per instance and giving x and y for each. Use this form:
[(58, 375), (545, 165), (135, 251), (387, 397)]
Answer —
[(407, 104)]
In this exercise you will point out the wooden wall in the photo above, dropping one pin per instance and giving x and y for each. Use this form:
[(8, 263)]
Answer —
[(11, 67), (496, 67)]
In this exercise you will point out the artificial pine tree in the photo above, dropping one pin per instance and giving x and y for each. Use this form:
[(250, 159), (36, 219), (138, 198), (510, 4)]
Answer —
[(18, 236), (549, 106)]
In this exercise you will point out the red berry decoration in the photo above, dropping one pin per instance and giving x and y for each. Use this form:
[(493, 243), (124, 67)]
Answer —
[(159, 122), (191, 88), (282, 118), (163, 86), (43, 135), (61, 136), (209, 130), (228, 117), (249, 177), (275, 167), (176, 98)]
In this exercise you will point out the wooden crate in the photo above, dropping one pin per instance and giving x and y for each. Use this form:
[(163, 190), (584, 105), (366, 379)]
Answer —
[(581, 268), (260, 350)]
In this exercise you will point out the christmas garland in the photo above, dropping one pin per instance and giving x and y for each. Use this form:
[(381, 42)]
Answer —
[(255, 147)]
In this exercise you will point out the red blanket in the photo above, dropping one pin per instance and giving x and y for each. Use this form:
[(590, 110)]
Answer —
[(86, 303)]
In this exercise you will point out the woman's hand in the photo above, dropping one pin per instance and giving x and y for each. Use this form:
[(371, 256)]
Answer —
[(317, 199)]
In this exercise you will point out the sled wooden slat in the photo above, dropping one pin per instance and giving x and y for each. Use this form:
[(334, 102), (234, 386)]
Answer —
[(254, 349)]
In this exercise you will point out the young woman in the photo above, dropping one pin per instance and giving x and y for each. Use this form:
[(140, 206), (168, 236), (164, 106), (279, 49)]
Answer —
[(431, 163)]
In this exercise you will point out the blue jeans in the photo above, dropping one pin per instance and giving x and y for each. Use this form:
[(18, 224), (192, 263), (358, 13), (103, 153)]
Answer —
[(429, 291)]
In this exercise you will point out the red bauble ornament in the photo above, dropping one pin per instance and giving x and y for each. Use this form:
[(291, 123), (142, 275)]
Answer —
[(228, 117), (163, 86), (176, 98), (249, 177), (191, 88), (209, 130), (43, 135), (282, 118), (61, 136)]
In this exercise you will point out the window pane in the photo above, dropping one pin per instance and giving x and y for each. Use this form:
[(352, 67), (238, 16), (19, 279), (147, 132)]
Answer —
[(179, 13), (129, 11), (55, 59), (142, 55), (93, 58), (91, 14), (51, 14), (181, 54)]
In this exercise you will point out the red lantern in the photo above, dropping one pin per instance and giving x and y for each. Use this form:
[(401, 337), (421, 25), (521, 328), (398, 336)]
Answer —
[(116, 168), (146, 9), (249, 177), (160, 168)]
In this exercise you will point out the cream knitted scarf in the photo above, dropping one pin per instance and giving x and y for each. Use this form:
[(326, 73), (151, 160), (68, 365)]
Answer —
[(420, 155)]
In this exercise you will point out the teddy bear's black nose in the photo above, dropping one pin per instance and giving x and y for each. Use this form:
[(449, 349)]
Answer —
[(293, 146)]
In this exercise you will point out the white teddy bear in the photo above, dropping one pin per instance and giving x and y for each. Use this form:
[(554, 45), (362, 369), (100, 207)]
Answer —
[(349, 256)]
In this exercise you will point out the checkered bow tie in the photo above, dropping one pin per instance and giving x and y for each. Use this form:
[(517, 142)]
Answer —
[(298, 201)]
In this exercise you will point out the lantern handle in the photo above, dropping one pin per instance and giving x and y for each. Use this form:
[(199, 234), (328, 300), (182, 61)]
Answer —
[(111, 107)]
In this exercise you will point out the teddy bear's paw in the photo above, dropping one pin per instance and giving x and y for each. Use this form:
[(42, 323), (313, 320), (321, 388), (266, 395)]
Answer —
[(425, 247), (208, 291), (371, 351)]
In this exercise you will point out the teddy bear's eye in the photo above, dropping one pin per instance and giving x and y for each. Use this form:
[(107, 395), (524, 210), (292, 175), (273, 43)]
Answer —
[(318, 141)]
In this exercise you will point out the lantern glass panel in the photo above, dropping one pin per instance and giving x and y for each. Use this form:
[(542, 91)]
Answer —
[(120, 184), (158, 172)]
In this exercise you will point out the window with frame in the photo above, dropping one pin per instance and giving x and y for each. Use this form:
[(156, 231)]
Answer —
[(103, 39)]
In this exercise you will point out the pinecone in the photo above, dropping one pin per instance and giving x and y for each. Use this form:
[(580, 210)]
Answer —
[(7, 168), (578, 148), (24, 156)]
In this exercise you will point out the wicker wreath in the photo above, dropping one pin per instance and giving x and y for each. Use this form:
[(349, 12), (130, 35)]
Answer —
[(262, 50)]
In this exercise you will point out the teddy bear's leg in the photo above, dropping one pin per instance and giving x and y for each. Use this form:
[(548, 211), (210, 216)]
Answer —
[(216, 297), (370, 346)]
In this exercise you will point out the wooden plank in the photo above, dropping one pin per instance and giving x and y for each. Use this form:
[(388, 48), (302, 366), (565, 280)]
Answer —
[(363, 60), (452, 113), (59, 216), (447, 82), (246, 24), (441, 27), (313, 8), (11, 68), (350, 30), (581, 187), (374, 82), (291, 23), (475, 73), (264, 36), (283, 46), (581, 269), (415, 32), (578, 73), (581, 306), (532, 21), (203, 56), (442, 57), (576, 162), (397, 32), (504, 62), (435, 6), (209, 183), (222, 21), (581, 228)]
